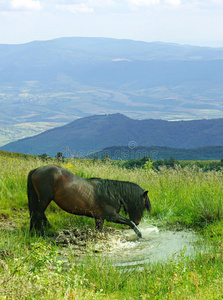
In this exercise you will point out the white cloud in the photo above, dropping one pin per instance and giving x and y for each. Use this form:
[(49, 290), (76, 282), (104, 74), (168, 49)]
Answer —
[(74, 8), (101, 2), (147, 3), (144, 2), (104, 6), (173, 2), (26, 5)]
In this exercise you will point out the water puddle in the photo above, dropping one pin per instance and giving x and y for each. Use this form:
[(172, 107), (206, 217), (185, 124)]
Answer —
[(124, 248), (153, 247)]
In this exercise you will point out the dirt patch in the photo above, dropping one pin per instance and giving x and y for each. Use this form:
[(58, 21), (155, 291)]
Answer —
[(78, 243), (86, 240), (3, 217), (6, 223)]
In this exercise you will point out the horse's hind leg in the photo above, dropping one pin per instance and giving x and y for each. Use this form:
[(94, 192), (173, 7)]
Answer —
[(99, 223), (40, 217), (46, 223)]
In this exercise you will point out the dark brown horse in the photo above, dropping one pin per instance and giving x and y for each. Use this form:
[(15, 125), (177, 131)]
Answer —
[(98, 198)]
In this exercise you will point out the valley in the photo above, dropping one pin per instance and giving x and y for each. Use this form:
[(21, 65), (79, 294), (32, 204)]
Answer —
[(71, 78)]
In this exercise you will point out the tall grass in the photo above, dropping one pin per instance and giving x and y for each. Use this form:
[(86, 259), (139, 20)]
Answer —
[(187, 195), (33, 270), (30, 267)]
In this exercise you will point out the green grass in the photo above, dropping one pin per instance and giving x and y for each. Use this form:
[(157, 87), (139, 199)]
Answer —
[(31, 268)]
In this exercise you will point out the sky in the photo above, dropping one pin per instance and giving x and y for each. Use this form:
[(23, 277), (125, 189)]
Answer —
[(193, 22)]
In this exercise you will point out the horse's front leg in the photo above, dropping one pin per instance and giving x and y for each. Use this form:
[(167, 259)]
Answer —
[(116, 218), (123, 220)]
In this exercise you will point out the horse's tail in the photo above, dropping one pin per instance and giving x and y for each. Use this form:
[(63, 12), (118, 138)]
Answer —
[(32, 198)]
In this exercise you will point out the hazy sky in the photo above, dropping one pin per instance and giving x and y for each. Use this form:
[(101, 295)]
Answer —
[(195, 22)]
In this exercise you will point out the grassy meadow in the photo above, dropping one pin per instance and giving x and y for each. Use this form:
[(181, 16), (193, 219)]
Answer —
[(181, 198)]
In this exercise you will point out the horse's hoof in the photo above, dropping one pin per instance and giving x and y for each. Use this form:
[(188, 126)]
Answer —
[(138, 232), (139, 235)]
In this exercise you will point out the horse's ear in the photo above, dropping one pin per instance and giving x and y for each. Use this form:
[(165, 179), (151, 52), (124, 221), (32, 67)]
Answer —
[(145, 194), (147, 201)]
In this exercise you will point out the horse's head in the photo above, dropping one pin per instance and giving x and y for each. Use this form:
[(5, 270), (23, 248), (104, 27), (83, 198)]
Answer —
[(142, 202)]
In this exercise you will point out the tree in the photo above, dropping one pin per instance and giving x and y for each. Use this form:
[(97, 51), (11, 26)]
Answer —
[(60, 156), (44, 156), (148, 164)]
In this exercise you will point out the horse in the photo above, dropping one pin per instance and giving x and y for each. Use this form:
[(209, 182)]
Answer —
[(97, 198)]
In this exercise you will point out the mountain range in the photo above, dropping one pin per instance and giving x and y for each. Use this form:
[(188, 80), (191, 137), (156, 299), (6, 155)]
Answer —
[(89, 134), (44, 84)]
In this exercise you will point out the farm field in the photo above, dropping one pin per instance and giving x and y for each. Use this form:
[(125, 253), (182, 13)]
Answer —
[(13, 132), (182, 199)]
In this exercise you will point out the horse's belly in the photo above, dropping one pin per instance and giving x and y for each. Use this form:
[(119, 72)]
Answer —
[(79, 207), (77, 199)]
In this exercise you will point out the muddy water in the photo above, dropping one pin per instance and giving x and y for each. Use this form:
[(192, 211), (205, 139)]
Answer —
[(124, 248)]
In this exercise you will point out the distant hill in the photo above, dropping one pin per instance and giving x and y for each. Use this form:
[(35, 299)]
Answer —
[(44, 83), (157, 153), (94, 133)]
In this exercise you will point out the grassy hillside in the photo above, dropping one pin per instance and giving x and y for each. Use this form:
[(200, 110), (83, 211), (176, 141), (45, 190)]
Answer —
[(31, 267)]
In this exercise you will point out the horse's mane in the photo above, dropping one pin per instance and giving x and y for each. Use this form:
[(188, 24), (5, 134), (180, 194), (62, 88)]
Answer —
[(126, 191)]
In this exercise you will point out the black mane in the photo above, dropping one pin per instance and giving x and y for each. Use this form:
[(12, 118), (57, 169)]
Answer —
[(127, 193)]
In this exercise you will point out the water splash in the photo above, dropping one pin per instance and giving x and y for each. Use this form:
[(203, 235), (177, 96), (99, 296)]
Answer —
[(129, 250), (147, 231)]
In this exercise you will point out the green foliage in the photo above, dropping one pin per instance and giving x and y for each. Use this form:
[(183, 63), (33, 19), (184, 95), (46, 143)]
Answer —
[(208, 153), (44, 156), (137, 163), (172, 163), (148, 164), (169, 163), (33, 268)]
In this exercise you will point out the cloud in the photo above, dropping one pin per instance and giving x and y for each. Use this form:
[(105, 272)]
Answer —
[(26, 5), (105, 6), (173, 2), (103, 3), (74, 8), (144, 2), (85, 6), (148, 3)]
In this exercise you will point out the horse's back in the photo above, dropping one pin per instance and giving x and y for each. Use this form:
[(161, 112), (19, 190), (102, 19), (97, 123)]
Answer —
[(47, 171), (49, 176)]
